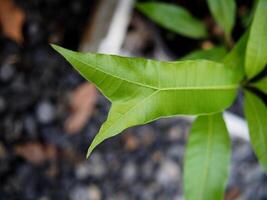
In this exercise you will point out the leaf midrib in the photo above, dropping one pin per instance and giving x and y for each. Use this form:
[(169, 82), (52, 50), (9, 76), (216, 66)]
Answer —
[(218, 87), (208, 156)]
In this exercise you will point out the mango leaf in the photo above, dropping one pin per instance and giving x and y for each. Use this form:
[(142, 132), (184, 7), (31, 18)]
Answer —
[(144, 90), (224, 12), (207, 159), (256, 53), (214, 54), (261, 85), (256, 115), (236, 58), (174, 18)]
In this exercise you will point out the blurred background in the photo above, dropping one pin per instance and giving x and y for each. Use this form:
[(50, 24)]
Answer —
[(49, 114)]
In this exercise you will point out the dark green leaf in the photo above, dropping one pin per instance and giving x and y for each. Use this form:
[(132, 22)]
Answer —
[(261, 85), (223, 12)]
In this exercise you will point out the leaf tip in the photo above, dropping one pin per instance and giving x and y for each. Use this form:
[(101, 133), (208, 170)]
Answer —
[(56, 47), (89, 152)]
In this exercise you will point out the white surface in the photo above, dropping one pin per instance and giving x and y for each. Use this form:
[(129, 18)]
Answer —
[(236, 126), (116, 34)]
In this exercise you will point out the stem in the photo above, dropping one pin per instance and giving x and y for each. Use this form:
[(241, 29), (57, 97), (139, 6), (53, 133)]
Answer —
[(228, 41)]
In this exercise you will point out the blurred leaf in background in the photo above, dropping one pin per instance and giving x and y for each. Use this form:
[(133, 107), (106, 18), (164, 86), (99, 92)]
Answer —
[(256, 53), (174, 18), (224, 12), (261, 85)]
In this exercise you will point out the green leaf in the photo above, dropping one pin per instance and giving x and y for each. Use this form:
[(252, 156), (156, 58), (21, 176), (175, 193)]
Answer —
[(214, 54), (261, 85), (207, 159), (256, 115), (223, 12), (256, 53), (174, 18), (144, 90), (236, 58)]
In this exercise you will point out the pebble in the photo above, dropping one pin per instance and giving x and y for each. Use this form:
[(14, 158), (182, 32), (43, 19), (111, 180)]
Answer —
[(169, 172), (81, 171), (91, 192), (30, 127), (118, 196), (243, 153), (176, 152), (175, 133), (44, 198), (129, 172), (147, 135), (254, 174), (45, 112), (147, 170), (7, 72), (96, 166)]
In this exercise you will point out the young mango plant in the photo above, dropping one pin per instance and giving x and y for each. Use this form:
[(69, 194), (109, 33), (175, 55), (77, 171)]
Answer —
[(143, 90)]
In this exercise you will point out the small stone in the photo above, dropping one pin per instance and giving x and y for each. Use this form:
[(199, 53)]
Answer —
[(178, 197), (45, 112), (7, 72), (147, 135), (94, 193), (254, 174), (96, 166), (81, 171), (176, 152), (175, 133), (149, 193), (169, 172), (86, 193), (30, 127), (157, 156), (44, 198), (243, 153), (129, 172), (118, 196), (147, 170)]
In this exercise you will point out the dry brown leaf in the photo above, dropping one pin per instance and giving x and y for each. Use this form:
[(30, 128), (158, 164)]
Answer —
[(130, 141), (11, 20), (232, 194), (36, 153), (83, 102)]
